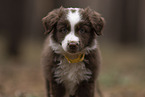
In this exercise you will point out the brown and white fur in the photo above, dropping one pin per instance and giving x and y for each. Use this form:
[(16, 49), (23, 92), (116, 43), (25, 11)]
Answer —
[(71, 31)]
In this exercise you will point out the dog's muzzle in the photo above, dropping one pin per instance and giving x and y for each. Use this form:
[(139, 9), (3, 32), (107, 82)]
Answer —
[(73, 46)]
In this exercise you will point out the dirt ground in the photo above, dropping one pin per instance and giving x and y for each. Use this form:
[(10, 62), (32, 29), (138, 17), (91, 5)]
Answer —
[(122, 71)]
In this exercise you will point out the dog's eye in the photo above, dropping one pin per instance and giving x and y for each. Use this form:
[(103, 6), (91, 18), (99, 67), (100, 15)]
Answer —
[(63, 30), (82, 30)]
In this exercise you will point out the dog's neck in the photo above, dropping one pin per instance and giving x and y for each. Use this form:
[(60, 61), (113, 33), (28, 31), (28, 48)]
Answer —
[(75, 58)]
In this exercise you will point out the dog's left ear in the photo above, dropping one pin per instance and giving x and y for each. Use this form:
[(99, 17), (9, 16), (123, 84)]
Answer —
[(96, 20), (51, 19), (98, 27)]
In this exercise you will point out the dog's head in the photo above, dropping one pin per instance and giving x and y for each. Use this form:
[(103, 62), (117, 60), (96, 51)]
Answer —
[(73, 29)]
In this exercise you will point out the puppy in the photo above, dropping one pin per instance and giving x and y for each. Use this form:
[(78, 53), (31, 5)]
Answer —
[(71, 57)]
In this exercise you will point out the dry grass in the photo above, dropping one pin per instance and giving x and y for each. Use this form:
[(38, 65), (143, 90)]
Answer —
[(122, 72)]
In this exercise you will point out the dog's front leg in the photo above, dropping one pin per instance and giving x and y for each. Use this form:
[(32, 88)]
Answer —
[(58, 90), (54, 89), (86, 89)]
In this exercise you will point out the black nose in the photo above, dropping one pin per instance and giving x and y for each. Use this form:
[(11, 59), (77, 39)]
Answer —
[(73, 45)]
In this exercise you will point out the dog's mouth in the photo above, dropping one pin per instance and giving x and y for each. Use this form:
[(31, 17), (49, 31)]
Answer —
[(72, 51), (73, 54)]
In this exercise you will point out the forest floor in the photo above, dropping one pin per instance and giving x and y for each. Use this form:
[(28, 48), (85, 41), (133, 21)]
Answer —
[(122, 72)]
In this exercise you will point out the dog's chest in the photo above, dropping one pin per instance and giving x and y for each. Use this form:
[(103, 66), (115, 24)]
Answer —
[(71, 74)]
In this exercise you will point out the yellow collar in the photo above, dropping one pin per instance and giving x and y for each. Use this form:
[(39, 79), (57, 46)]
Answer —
[(77, 60)]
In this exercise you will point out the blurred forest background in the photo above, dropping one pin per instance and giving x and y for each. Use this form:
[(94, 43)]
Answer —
[(122, 46)]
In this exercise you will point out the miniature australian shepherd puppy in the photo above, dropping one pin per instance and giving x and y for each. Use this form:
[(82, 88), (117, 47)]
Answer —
[(71, 57)]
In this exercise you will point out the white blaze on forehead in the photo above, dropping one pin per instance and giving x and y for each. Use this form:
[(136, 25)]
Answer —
[(73, 17)]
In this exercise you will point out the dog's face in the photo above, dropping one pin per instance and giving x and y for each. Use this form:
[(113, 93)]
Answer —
[(74, 29)]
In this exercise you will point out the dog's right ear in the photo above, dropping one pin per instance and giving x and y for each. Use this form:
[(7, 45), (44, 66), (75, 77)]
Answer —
[(51, 19)]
